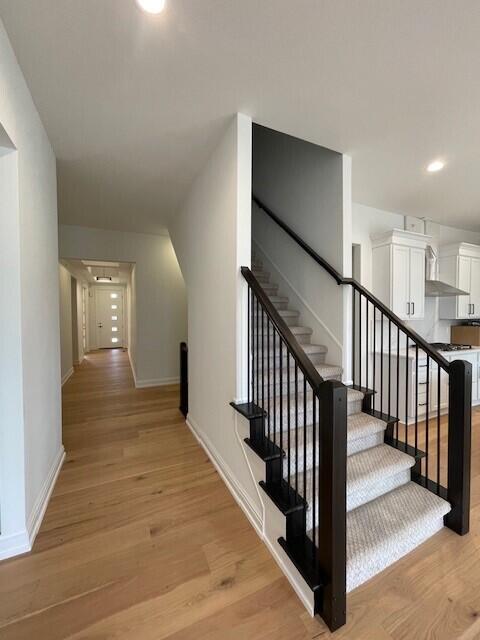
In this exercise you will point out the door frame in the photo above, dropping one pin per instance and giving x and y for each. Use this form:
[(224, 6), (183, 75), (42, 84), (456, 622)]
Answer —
[(93, 313)]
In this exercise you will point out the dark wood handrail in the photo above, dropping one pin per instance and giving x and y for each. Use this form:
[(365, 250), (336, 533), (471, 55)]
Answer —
[(340, 280), (303, 361)]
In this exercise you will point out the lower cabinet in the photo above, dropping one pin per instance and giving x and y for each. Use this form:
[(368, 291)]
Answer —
[(412, 400)]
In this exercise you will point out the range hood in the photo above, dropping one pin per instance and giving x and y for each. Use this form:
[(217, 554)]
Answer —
[(435, 288)]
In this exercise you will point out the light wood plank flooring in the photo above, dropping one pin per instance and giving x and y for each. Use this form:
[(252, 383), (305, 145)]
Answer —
[(142, 541)]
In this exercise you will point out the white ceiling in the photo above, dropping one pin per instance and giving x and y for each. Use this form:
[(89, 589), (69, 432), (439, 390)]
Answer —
[(86, 270), (134, 103)]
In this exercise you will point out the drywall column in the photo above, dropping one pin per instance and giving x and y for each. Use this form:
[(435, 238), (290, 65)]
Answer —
[(31, 440), (211, 237), (12, 464)]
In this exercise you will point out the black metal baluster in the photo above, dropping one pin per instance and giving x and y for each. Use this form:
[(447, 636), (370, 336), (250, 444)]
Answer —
[(263, 366), (353, 335), (258, 352), (281, 393), (296, 427), (407, 365), (367, 354), (274, 388), (427, 421), (381, 364), (249, 396), (268, 376), (438, 426), (304, 437), (314, 468), (389, 367), (374, 386), (398, 384), (289, 463), (360, 339), (416, 399)]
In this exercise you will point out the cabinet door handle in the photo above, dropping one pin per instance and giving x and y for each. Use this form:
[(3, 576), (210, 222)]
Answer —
[(413, 308), (408, 308), (473, 309)]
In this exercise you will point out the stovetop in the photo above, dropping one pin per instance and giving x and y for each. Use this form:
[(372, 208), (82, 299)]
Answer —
[(450, 346)]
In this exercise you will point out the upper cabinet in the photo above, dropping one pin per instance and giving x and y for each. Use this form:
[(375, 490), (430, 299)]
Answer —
[(459, 265), (399, 272)]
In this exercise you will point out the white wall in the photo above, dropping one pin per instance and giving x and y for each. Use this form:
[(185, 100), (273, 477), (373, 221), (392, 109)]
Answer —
[(159, 324), (308, 187), (211, 236), (29, 310), (368, 221), (66, 335)]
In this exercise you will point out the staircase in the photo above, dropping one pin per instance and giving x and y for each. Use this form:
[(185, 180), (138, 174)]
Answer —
[(352, 490), (388, 515)]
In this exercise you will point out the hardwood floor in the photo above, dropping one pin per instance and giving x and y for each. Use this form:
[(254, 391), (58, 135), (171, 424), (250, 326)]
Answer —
[(142, 541)]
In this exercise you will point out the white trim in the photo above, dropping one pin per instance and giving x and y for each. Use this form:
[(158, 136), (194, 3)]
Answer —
[(155, 382), (22, 542), (14, 544), (300, 297), (242, 499), (67, 375), (36, 515)]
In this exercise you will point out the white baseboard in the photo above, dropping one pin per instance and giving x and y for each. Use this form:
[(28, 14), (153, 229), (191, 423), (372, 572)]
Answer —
[(238, 493), (67, 376), (22, 542), (14, 544), (36, 516), (155, 382)]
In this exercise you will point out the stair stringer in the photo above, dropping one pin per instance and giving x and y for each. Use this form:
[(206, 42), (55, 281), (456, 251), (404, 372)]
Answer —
[(273, 521)]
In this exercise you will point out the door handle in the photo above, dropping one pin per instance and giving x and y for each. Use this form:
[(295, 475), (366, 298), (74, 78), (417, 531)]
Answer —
[(100, 325), (473, 309), (413, 308), (408, 308)]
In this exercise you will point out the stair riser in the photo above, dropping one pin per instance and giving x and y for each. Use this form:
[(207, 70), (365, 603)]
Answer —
[(378, 489), (361, 444), (316, 358), (270, 289), (284, 387), (301, 338), (281, 306), (290, 320), (351, 409)]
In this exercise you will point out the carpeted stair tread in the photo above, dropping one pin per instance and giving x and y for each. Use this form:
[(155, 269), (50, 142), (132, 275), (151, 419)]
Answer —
[(387, 528)]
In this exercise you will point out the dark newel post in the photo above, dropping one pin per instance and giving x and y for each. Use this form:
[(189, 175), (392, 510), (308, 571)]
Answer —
[(459, 445), (332, 500), (184, 378)]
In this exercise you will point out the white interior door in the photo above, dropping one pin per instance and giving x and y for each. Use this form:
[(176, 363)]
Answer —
[(109, 318)]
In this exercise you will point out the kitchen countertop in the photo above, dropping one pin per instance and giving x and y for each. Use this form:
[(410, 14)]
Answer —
[(422, 354)]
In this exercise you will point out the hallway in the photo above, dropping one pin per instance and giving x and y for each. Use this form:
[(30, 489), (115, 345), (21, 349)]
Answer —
[(141, 539)]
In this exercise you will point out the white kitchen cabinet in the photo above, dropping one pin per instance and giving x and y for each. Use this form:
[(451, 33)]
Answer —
[(459, 265), (416, 405), (399, 272)]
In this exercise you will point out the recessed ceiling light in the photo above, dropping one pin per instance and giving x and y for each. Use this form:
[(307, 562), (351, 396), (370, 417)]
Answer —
[(151, 6), (436, 165)]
